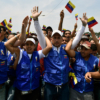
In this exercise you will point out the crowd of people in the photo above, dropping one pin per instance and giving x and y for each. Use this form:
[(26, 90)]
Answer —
[(49, 64)]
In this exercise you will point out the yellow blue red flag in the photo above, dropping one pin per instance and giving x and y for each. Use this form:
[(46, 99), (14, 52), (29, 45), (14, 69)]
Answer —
[(4, 22), (92, 22), (63, 30), (10, 20), (76, 16), (10, 25), (44, 27), (30, 18), (70, 6)]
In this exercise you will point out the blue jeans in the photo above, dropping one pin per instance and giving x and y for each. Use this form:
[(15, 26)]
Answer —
[(52, 92), (2, 93)]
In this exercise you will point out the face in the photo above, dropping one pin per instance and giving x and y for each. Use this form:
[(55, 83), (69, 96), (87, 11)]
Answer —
[(2, 32), (56, 40), (49, 32), (44, 32), (64, 40), (67, 35), (10, 36), (85, 52), (29, 46)]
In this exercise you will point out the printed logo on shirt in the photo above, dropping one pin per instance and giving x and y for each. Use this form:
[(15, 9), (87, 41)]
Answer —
[(11, 57), (37, 69), (3, 63), (36, 58), (2, 53), (63, 47), (65, 56)]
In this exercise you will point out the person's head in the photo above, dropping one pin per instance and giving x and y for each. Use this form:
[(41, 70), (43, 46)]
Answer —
[(44, 31), (2, 31), (64, 40), (49, 31), (83, 39), (85, 49), (94, 49), (67, 34), (56, 38), (6, 35), (30, 45), (88, 35), (11, 36)]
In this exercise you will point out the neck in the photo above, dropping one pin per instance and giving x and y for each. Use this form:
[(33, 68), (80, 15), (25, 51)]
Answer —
[(1, 38), (87, 58)]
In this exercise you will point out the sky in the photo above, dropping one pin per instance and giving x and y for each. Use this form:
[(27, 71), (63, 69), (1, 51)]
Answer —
[(19, 9)]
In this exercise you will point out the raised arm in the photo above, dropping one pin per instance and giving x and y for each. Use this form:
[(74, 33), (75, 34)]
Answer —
[(61, 20), (68, 49), (95, 39), (38, 29), (48, 47), (80, 32), (74, 31), (22, 37)]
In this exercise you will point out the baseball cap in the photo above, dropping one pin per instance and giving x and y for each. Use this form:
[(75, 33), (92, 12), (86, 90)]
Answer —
[(30, 39), (86, 44), (86, 34), (57, 31), (84, 37)]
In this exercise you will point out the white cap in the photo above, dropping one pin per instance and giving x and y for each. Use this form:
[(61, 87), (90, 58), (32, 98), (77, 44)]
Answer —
[(57, 31), (30, 39)]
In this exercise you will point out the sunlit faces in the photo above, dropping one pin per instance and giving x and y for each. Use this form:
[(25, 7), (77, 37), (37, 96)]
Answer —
[(56, 40), (85, 52), (2, 32), (64, 40), (29, 46), (67, 35)]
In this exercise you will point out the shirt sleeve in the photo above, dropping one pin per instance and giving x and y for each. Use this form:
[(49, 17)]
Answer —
[(78, 37), (41, 55), (96, 63), (20, 56), (40, 34)]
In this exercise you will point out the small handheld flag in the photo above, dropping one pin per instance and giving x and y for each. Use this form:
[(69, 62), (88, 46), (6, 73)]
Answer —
[(70, 6), (63, 30), (92, 22), (44, 27), (10, 20), (76, 16), (9, 25), (4, 22), (30, 18)]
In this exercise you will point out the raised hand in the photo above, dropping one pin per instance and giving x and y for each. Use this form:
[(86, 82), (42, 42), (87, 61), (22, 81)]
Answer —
[(84, 19), (91, 29), (62, 14), (25, 21), (75, 26), (35, 13)]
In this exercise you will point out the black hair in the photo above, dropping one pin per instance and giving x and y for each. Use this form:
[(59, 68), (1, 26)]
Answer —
[(45, 30), (68, 31), (93, 47), (4, 29)]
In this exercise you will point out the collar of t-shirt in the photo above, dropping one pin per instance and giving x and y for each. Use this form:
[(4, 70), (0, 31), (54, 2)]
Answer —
[(30, 55), (57, 48)]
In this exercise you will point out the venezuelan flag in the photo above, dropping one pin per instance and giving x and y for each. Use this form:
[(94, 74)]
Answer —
[(44, 27), (76, 16), (63, 30), (4, 22), (92, 22), (70, 6), (10, 20), (30, 18), (0, 24), (7, 27), (10, 25)]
